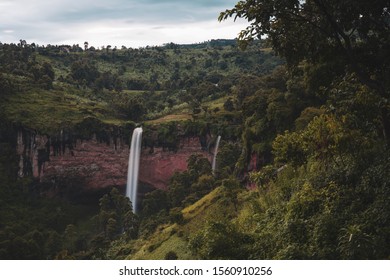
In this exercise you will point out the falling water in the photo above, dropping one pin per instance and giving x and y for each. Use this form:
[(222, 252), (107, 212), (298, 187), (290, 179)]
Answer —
[(132, 173), (215, 153)]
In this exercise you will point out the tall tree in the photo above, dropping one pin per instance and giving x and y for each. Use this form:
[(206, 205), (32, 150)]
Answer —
[(343, 35)]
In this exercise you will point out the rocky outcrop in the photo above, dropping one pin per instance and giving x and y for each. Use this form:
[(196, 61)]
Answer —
[(156, 168), (99, 164)]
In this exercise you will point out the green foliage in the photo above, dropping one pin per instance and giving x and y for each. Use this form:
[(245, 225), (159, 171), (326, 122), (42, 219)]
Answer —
[(312, 136), (6, 86), (228, 154), (343, 38), (84, 72), (168, 136), (289, 148), (229, 105), (220, 240), (314, 128), (132, 107), (58, 86), (154, 202), (116, 216), (335, 27), (307, 115), (262, 177), (188, 186), (231, 190), (171, 256)]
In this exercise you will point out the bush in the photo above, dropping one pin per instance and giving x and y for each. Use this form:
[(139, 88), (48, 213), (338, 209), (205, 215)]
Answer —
[(171, 256)]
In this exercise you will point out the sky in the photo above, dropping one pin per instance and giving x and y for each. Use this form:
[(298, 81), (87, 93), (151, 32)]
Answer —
[(130, 23)]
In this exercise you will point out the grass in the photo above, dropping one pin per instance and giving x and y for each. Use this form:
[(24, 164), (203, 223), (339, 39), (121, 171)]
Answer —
[(212, 207), (174, 237), (165, 239), (195, 209), (47, 110), (182, 112), (133, 92), (217, 103), (171, 118)]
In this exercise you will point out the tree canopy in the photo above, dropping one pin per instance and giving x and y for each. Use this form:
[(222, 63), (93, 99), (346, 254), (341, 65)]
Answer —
[(342, 36)]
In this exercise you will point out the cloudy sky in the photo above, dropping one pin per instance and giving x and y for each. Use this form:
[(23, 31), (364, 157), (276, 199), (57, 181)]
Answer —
[(132, 23)]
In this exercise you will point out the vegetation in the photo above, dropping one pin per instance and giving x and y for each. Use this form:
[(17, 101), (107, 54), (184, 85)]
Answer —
[(304, 157)]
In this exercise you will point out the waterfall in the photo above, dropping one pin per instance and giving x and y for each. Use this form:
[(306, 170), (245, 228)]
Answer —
[(215, 154), (132, 173)]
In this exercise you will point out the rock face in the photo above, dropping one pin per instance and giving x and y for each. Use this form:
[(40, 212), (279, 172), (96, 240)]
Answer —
[(99, 165), (156, 168)]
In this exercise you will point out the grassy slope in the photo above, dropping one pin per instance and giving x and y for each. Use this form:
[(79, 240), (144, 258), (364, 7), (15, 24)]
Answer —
[(175, 237), (49, 110), (66, 105), (46, 110)]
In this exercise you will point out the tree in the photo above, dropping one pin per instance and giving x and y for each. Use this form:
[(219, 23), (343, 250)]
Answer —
[(190, 185), (116, 216), (231, 188), (83, 70), (23, 43), (132, 107), (229, 105), (171, 255), (70, 238), (203, 185), (6, 85), (198, 166), (154, 202), (220, 240), (341, 35)]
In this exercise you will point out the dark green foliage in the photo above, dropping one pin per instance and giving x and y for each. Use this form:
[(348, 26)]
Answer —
[(229, 105), (231, 189), (84, 72), (154, 202), (168, 136), (150, 223), (335, 38), (116, 216), (189, 186), (160, 207), (110, 81), (176, 215), (132, 107), (310, 139), (171, 256), (220, 240), (6, 86)]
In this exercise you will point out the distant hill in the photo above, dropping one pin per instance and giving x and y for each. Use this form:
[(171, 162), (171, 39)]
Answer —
[(211, 44), (118, 85)]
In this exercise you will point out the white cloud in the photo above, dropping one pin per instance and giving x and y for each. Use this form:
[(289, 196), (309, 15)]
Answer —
[(116, 22)]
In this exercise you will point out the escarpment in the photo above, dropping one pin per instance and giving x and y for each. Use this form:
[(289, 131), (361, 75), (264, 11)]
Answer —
[(99, 162)]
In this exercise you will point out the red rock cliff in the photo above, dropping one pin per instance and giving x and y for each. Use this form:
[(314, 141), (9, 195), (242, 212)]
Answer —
[(100, 164), (157, 168)]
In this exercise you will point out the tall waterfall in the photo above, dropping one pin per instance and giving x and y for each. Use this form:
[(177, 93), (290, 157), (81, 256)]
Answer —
[(215, 154), (132, 173)]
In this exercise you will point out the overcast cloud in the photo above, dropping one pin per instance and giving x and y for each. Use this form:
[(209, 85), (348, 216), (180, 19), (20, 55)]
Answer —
[(116, 22)]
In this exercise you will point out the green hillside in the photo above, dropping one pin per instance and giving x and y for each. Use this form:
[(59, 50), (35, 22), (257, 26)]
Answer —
[(302, 167), (58, 86)]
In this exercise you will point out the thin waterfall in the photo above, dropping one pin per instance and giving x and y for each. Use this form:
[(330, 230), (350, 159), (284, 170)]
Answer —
[(132, 173), (215, 154)]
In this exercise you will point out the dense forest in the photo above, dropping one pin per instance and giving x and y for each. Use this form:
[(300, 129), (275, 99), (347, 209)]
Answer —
[(303, 164)]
